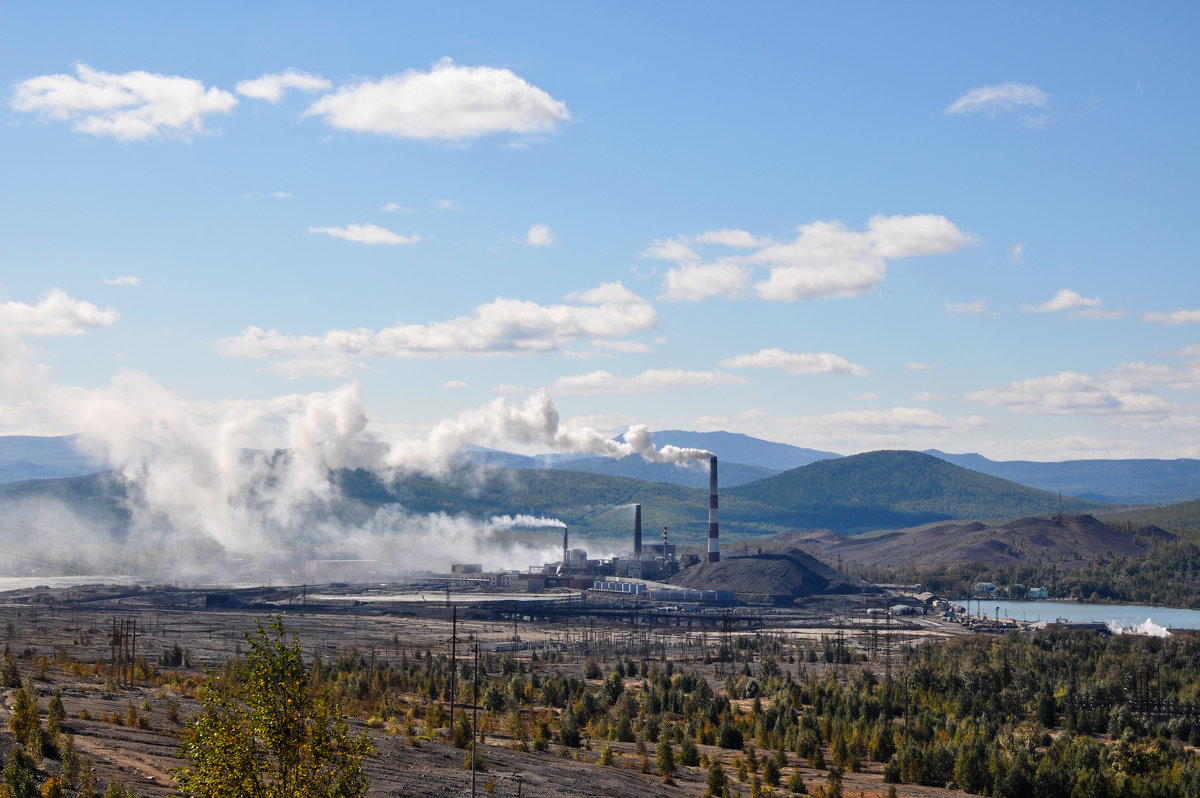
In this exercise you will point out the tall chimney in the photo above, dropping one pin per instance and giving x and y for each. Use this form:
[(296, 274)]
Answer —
[(637, 531), (565, 557), (714, 543)]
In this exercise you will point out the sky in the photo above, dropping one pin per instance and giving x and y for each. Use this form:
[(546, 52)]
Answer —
[(848, 227)]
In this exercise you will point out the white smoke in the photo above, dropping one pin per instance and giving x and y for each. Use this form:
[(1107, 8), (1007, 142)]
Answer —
[(523, 522), (437, 540), (534, 422), (1147, 627), (252, 479)]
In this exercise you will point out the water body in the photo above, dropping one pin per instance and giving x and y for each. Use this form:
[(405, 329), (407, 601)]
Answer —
[(1116, 615)]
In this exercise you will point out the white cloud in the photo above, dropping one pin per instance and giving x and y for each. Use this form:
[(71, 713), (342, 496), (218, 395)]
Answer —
[(1068, 393), (976, 308), (732, 238), (504, 326), (1016, 254), (917, 366), (132, 106), (56, 313), (281, 195), (1142, 376), (448, 102), (697, 282), (1080, 306), (602, 382), (927, 396), (626, 347), (1066, 299), (127, 279), (864, 397), (365, 234), (801, 363), (395, 207), (1000, 97), (1180, 316), (455, 385), (271, 87), (676, 249), (539, 235), (825, 259), (445, 205)]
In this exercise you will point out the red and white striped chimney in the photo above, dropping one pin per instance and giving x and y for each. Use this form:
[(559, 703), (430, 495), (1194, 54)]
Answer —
[(714, 543)]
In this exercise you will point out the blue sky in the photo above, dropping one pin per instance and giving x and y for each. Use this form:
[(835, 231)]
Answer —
[(843, 226)]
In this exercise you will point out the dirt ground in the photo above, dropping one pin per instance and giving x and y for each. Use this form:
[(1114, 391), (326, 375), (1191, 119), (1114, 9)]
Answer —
[(48, 630)]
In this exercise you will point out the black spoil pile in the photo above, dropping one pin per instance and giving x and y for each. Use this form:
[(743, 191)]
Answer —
[(774, 576)]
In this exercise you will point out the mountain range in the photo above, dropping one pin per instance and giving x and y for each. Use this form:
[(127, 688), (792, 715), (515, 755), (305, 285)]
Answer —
[(744, 460)]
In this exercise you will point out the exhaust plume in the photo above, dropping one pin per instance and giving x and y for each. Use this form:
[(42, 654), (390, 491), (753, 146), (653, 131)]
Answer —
[(252, 479)]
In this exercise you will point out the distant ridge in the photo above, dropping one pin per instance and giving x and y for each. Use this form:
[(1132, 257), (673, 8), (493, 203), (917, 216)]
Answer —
[(1115, 481), (892, 490), (743, 458), (43, 457), (738, 448)]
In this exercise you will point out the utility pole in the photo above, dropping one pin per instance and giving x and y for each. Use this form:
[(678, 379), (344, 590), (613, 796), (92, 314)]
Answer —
[(474, 716), (453, 665)]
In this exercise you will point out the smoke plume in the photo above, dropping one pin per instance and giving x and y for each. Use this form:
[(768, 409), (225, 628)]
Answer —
[(252, 479)]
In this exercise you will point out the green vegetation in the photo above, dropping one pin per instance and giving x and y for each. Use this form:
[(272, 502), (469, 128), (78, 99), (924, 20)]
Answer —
[(893, 489), (1169, 574), (268, 729)]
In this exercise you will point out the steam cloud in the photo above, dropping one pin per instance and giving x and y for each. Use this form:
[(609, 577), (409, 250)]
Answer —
[(252, 479)]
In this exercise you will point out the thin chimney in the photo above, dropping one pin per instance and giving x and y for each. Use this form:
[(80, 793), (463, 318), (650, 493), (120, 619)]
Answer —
[(637, 531), (714, 543)]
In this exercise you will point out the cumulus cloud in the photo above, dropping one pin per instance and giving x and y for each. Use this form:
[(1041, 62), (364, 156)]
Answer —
[(445, 205), (127, 279), (539, 235), (395, 207), (697, 282), (55, 314), (917, 366), (449, 102), (976, 308), (824, 260), (732, 238), (455, 385), (927, 396), (131, 106), (365, 234), (999, 97), (1084, 307), (281, 195), (504, 326), (801, 363), (272, 86), (1180, 316), (1068, 393), (653, 380), (1065, 299)]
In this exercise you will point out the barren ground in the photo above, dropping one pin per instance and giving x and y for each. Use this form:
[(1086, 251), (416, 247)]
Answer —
[(48, 634)]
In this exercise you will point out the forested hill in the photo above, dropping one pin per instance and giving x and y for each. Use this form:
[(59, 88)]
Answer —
[(879, 490), (894, 489)]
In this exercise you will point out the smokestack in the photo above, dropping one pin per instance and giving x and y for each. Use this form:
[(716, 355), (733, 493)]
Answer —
[(714, 543), (565, 558), (637, 531)]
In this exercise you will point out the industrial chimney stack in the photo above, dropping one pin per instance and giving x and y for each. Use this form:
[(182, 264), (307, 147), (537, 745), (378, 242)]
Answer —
[(637, 531), (714, 543), (566, 558)]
